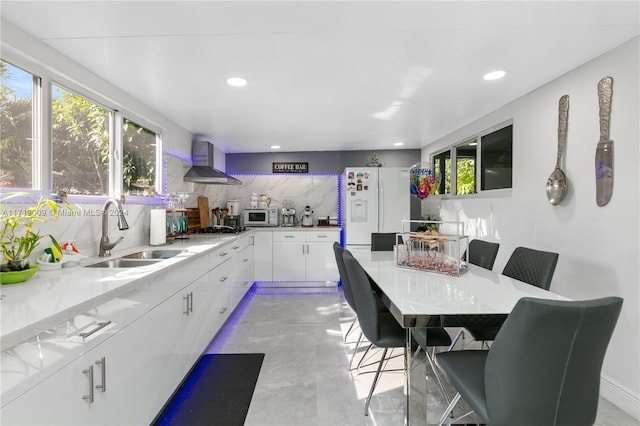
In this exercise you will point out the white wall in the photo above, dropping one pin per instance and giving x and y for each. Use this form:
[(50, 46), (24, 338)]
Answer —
[(598, 246)]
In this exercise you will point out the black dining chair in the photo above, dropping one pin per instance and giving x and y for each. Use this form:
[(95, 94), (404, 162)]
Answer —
[(483, 253), (543, 367), (531, 266), (384, 241), (380, 327), (535, 267), (348, 295)]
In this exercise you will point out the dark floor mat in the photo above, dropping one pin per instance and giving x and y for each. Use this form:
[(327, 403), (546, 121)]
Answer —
[(217, 392)]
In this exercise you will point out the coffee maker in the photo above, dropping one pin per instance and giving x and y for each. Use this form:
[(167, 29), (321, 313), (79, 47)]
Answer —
[(232, 220), (288, 216)]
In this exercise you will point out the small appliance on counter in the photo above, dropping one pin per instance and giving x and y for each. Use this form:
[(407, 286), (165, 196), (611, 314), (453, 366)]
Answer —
[(306, 217), (260, 217), (232, 221), (233, 207), (289, 217)]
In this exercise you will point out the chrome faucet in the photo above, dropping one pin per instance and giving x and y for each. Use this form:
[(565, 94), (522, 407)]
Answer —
[(105, 244)]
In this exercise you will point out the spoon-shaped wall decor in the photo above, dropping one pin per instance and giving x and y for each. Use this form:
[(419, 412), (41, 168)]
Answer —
[(557, 183)]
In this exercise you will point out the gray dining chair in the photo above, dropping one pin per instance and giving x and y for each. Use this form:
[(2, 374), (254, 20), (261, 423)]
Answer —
[(535, 267), (383, 241), (483, 253), (543, 367), (348, 295), (380, 327)]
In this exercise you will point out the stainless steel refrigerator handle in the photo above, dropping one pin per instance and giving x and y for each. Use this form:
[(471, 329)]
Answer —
[(380, 204)]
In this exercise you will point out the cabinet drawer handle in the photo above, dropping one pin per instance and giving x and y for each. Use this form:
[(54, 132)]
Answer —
[(89, 397), (245, 260), (100, 326), (235, 247), (322, 236), (103, 363), (189, 299), (224, 253), (223, 279), (223, 310), (289, 236)]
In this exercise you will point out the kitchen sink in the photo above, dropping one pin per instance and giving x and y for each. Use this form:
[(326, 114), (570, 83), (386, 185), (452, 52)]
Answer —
[(124, 263), (153, 254)]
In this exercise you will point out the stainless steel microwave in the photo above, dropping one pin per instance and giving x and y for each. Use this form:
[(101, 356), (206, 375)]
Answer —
[(261, 217)]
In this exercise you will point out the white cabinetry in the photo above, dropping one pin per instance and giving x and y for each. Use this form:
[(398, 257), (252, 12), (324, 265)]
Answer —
[(304, 255), (99, 386), (263, 248), (141, 345)]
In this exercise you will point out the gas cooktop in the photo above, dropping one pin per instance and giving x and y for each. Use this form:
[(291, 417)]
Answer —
[(221, 229)]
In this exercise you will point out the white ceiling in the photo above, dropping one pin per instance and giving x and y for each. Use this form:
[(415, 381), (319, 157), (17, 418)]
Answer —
[(320, 72)]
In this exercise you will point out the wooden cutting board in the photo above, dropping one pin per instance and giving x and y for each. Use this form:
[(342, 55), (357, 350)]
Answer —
[(203, 208)]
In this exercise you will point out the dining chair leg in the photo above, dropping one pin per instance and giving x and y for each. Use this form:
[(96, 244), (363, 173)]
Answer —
[(350, 328), (436, 375), (375, 382), (363, 357), (455, 339), (450, 407), (355, 351)]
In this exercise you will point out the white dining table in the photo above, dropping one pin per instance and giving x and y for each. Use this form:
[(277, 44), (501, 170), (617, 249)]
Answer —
[(419, 298)]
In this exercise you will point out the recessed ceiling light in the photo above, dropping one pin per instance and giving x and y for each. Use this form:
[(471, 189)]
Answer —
[(495, 75), (275, 147), (237, 81), (398, 144)]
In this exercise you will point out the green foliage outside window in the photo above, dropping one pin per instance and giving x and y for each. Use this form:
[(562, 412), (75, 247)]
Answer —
[(80, 136), (16, 133)]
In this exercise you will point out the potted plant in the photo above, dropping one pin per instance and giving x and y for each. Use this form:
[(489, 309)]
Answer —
[(18, 238)]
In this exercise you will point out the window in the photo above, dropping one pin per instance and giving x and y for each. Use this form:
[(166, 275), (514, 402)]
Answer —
[(466, 168), (139, 146), (17, 133), (442, 165), (80, 144), (458, 165), (496, 159)]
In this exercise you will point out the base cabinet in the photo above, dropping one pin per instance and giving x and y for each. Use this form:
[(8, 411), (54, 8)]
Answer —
[(263, 249), (97, 388), (128, 377), (305, 256)]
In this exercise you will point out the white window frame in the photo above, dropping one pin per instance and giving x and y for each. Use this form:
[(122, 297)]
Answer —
[(42, 182), (480, 193)]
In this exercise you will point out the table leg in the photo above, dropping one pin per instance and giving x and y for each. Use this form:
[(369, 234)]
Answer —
[(407, 378)]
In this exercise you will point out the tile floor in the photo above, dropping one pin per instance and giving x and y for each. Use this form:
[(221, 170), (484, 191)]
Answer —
[(305, 378)]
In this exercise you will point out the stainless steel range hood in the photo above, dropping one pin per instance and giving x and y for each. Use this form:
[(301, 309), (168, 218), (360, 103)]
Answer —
[(203, 170)]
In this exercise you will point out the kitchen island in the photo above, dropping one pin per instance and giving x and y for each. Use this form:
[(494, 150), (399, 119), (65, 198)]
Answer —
[(148, 324)]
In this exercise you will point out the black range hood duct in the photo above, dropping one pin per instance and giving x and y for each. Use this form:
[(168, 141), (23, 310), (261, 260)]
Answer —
[(203, 170)]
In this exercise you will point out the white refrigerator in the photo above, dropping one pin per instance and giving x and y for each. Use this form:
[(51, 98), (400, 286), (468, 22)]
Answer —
[(375, 199)]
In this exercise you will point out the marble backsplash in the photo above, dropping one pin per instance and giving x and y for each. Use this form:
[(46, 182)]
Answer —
[(318, 192)]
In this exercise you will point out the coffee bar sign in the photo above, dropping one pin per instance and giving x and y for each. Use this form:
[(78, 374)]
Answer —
[(290, 167)]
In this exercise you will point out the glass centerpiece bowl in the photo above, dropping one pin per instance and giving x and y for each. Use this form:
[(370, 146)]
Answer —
[(18, 238), (433, 246)]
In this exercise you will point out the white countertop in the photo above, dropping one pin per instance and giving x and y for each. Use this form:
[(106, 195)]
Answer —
[(51, 297), (294, 228)]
